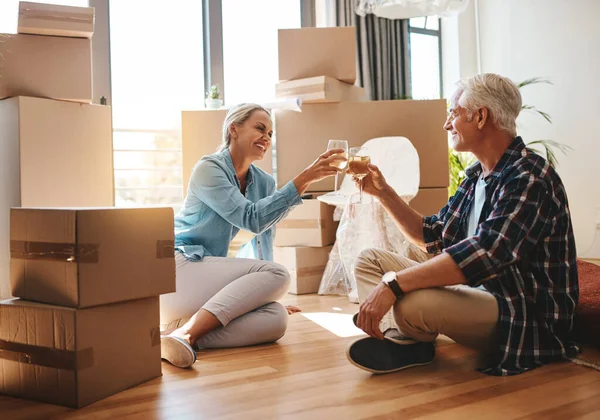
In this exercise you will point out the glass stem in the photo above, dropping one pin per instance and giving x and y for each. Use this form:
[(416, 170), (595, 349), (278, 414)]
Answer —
[(360, 189), (335, 185)]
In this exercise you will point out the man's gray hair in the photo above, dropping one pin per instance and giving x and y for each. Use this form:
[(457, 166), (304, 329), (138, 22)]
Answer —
[(238, 115), (498, 94)]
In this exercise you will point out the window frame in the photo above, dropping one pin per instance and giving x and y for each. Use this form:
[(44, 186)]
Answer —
[(430, 32)]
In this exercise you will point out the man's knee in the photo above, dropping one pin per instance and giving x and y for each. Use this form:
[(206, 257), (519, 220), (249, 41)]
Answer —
[(366, 257)]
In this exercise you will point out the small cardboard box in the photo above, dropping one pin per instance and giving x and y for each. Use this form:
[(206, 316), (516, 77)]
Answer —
[(46, 67), (311, 52), (202, 134), (321, 89), (74, 357), (52, 154), (55, 20), (87, 257), (310, 224), (306, 266), (302, 136), (429, 201)]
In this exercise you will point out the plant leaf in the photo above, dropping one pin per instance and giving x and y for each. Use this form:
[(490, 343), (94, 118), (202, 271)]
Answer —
[(533, 81)]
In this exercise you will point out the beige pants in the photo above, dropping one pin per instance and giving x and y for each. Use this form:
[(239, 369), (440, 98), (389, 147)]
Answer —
[(465, 314)]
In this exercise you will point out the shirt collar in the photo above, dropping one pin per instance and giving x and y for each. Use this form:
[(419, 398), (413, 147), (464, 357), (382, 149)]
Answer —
[(511, 154), (227, 154)]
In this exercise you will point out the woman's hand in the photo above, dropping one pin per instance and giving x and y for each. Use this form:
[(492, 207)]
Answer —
[(292, 309), (374, 183), (322, 167)]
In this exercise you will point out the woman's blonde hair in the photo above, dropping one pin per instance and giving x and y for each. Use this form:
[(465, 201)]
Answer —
[(238, 115)]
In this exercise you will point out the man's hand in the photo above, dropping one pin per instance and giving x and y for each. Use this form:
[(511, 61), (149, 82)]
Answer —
[(374, 183), (377, 304)]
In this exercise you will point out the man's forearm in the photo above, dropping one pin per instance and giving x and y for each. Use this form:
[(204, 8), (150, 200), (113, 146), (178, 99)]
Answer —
[(409, 221), (438, 272)]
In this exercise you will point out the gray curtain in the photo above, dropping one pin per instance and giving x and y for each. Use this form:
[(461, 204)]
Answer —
[(382, 46)]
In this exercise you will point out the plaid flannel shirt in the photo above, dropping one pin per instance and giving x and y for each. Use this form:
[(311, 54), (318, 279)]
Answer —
[(523, 253)]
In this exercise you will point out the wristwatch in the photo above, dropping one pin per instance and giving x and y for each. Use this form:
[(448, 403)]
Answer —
[(389, 279)]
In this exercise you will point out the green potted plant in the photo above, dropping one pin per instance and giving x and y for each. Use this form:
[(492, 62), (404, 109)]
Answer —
[(461, 161), (213, 98)]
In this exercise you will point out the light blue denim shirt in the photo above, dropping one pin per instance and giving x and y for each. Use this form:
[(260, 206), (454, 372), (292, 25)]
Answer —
[(214, 209)]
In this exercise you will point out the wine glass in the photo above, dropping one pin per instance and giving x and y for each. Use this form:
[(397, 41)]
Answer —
[(358, 165), (338, 144)]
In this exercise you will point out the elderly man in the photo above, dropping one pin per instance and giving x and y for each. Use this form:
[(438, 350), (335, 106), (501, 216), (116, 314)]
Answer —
[(504, 278)]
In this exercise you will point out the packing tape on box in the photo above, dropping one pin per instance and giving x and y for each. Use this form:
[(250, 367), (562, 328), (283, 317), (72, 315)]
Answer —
[(301, 224), (78, 253), (45, 356), (28, 13), (308, 271), (30, 250)]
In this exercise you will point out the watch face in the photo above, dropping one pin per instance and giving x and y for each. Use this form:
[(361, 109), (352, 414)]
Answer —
[(389, 276)]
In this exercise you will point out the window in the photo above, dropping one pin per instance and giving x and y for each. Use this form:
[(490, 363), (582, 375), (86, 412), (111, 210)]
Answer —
[(250, 46), (425, 62), (157, 70)]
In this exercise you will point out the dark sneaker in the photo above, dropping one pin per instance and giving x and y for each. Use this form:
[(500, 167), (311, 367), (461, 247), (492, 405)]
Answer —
[(384, 356), (391, 334), (177, 351)]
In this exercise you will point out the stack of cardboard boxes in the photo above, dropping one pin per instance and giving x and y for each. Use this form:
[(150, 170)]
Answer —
[(319, 65), (87, 279), (56, 147)]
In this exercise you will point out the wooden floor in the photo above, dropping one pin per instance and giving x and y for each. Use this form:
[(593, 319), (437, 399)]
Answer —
[(306, 376)]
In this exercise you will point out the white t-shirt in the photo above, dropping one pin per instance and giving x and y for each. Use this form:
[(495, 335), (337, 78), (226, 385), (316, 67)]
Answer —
[(477, 206)]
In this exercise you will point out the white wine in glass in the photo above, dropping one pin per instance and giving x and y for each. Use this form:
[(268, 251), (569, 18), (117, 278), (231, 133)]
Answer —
[(358, 165), (339, 144)]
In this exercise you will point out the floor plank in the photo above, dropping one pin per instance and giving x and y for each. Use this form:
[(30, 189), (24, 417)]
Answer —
[(306, 376)]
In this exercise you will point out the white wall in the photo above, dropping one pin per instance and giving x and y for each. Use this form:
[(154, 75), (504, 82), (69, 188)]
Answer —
[(558, 40)]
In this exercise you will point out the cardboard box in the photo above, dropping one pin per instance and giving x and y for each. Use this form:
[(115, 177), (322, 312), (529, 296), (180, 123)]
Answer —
[(306, 266), (430, 201), (311, 52), (74, 357), (302, 136), (55, 20), (310, 224), (202, 134), (46, 67), (52, 154), (321, 89), (89, 257)]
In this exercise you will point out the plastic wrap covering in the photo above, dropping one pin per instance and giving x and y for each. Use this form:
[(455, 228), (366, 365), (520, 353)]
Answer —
[(405, 9), (362, 226)]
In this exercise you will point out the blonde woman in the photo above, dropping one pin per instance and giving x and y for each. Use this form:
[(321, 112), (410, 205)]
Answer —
[(232, 302)]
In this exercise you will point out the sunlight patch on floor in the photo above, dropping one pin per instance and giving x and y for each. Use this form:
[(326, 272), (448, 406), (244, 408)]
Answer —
[(338, 324)]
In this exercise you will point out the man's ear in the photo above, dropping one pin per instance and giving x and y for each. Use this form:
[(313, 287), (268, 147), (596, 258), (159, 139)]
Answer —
[(482, 117)]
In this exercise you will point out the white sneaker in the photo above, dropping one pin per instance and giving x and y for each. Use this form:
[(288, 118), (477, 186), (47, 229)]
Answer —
[(177, 351)]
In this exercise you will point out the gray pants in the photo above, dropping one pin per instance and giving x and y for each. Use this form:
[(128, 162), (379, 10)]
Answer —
[(240, 293)]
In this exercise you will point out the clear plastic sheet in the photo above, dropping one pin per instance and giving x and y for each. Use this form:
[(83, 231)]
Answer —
[(404, 9), (362, 226)]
